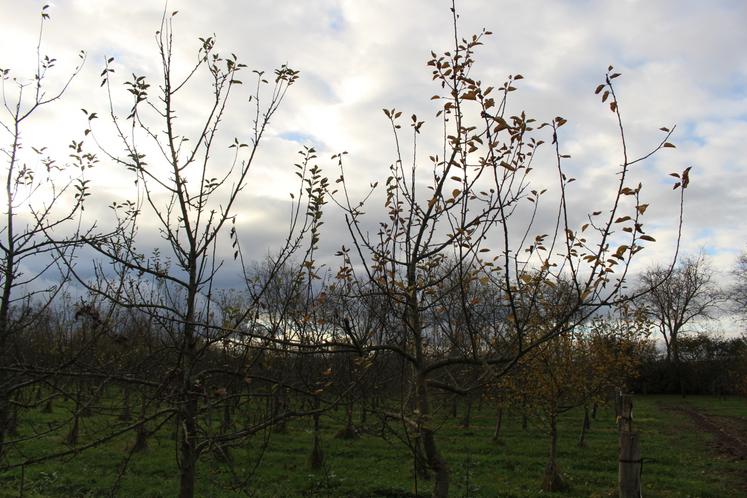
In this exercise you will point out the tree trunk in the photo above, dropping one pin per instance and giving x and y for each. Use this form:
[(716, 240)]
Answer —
[(421, 462), (126, 414), (141, 440), (187, 442), (12, 425), (188, 409), (364, 414), (72, 436), (279, 406), (553, 480), (141, 443), (435, 461), (316, 459), (498, 421), (349, 431), (225, 424), (4, 418), (584, 428), (467, 414)]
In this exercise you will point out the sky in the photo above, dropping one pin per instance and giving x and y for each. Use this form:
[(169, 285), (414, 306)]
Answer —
[(682, 63)]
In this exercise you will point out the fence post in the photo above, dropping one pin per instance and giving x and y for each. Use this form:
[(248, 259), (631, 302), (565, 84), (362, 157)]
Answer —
[(629, 461)]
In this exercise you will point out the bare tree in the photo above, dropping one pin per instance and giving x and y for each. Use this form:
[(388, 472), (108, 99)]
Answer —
[(460, 226), (674, 299), (677, 298), (42, 198), (193, 205)]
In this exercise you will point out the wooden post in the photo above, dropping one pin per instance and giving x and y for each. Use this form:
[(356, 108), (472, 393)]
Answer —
[(629, 467), (625, 414), (629, 461)]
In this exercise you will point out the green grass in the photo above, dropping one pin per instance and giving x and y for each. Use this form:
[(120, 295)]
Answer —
[(679, 461)]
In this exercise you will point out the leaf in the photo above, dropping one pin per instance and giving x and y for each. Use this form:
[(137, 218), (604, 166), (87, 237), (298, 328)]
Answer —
[(669, 145), (686, 177), (642, 208), (648, 238), (664, 128), (599, 89)]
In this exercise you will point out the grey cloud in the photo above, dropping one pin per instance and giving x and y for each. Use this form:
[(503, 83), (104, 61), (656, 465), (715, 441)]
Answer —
[(682, 62)]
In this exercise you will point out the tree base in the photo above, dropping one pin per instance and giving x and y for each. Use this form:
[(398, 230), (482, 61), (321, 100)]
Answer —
[(316, 460), (141, 443), (348, 432), (553, 480)]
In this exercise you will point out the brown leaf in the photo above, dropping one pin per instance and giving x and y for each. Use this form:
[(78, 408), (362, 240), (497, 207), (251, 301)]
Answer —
[(686, 177)]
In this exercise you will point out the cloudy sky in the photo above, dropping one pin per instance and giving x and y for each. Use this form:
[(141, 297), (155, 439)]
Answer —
[(682, 63)]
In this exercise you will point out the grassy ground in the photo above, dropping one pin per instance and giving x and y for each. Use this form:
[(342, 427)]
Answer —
[(679, 460)]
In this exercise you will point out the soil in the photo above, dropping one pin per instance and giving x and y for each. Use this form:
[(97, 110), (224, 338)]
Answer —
[(729, 434)]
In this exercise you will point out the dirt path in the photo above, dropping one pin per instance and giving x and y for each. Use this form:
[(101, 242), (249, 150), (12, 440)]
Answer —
[(730, 434)]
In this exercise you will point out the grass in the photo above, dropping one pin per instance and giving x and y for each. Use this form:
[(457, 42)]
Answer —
[(678, 460)]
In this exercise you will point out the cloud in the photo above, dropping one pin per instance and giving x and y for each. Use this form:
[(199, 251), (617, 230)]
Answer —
[(682, 63)]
